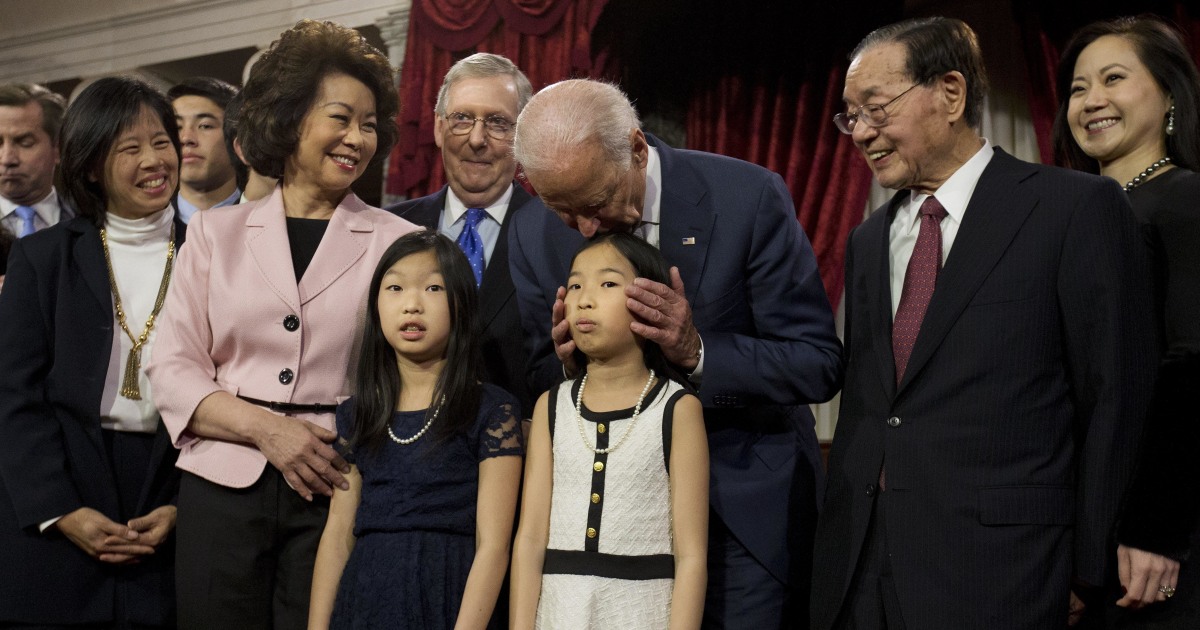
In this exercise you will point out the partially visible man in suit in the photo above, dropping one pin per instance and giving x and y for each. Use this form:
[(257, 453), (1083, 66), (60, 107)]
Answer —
[(999, 356), (746, 320), (207, 178), (30, 119), (476, 111)]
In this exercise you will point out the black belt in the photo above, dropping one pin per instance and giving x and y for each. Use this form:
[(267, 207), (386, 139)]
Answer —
[(284, 407)]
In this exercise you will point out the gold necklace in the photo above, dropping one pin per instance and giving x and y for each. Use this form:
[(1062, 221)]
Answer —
[(129, 382)]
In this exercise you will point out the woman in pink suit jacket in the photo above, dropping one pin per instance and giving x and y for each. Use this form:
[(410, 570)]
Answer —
[(254, 352)]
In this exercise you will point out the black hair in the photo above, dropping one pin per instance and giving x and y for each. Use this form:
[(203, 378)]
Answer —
[(648, 263), (377, 384), (285, 81), (215, 90), (1161, 49), (229, 126), (935, 46), (91, 126)]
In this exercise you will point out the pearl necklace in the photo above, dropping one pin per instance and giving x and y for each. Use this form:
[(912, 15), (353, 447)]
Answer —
[(637, 411), (425, 428), (1141, 177)]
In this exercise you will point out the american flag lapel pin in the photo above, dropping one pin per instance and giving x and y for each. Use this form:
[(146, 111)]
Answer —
[(689, 240)]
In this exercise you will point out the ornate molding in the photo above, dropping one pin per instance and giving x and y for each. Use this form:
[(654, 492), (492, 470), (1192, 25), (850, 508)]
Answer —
[(165, 32)]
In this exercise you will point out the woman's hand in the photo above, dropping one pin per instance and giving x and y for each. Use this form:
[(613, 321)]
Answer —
[(301, 451), (104, 539), (1143, 574)]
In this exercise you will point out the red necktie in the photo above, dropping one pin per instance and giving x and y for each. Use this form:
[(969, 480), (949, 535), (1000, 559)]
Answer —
[(919, 281)]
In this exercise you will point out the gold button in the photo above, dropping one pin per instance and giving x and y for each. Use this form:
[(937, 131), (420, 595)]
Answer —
[(598, 466), (600, 428), (595, 498), (591, 532)]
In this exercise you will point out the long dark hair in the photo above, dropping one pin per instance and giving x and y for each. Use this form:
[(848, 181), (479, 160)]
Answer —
[(647, 263), (1161, 49), (91, 125), (377, 384)]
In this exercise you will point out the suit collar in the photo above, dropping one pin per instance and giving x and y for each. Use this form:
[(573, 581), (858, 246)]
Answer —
[(89, 260), (341, 246), (994, 216), (686, 224)]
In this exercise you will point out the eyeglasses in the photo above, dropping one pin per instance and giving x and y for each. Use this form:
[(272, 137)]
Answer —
[(871, 114), (497, 127)]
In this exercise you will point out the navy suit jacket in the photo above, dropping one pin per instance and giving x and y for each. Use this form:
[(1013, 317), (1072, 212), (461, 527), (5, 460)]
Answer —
[(56, 331), (501, 345), (769, 342), (1013, 434)]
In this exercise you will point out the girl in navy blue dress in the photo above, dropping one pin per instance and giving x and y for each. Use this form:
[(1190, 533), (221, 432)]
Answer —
[(430, 448)]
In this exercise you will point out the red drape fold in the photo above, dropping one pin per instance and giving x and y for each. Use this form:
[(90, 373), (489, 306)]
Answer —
[(548, 39), (788, 129)]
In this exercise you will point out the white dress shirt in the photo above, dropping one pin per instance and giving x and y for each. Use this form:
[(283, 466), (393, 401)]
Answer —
[(453, 220), (954, 195), (47, 212)]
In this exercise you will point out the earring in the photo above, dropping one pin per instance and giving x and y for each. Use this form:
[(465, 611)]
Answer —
[(1171, 121)]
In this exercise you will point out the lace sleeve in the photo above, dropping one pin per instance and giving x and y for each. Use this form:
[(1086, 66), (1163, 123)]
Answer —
[(343, 418), (501, 434)]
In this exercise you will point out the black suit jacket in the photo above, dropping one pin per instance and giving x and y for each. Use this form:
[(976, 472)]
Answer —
[(769, 342), (56, 331), (501, 344), (1014, 431)]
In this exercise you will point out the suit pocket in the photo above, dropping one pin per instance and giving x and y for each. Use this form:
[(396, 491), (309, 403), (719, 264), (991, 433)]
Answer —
[(1027, 505)]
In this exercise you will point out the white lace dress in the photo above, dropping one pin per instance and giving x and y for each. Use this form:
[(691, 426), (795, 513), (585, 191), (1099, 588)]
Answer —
[(609, 561)]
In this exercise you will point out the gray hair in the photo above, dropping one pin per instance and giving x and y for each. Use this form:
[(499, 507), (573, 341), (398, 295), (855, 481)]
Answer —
[(484, 66), (53, 105), (569, 114)]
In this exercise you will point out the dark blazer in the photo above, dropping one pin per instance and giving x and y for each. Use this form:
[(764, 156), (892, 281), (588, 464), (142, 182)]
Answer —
[(769, 342), (501, 346), (1014, 432), (56, 331)]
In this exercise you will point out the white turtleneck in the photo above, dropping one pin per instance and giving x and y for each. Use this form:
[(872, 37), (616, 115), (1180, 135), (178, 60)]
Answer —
[(138, 248)]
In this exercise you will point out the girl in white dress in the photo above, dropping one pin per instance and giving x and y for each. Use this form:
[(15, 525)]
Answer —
[(614, 521)]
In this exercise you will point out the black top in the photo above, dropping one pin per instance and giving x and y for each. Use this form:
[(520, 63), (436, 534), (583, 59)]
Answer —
[(1161, 512), (304, 235), (1168, 207)]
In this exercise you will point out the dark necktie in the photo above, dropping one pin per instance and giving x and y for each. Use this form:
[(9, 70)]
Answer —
[(472, 244), (27, 226), (919, 282)]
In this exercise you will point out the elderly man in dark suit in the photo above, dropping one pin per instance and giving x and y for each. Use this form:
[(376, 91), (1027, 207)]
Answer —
[(999, 357), (746, 319), (476, 110)]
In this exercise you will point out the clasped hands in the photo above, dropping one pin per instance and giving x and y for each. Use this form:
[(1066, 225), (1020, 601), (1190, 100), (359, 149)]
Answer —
[(661, 314), (112, 542)]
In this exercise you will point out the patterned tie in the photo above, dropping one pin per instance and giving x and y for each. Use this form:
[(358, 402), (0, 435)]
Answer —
[(919, 281), (472, 244), (27, 227)]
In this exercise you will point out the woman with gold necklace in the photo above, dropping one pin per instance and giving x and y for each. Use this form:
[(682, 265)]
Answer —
[(87, 472), (1130, 109)]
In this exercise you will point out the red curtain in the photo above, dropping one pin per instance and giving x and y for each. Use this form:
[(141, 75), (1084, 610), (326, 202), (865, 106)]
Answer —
[(549, 40), (789, 129)]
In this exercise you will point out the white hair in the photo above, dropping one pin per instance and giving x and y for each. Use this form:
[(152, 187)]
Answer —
[(567, 115), (484, 66)]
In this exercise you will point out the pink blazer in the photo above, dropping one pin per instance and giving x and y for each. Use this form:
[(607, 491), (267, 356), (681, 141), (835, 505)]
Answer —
[(233, 286)]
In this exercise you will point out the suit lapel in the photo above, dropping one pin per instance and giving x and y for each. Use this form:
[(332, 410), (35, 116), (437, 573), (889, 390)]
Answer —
[(993, 217), (345, 241), (267, 241), (879, 288), (427, 212), (685, 226), (497, 286), (90, 264)]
